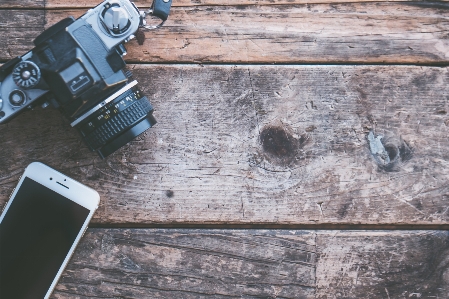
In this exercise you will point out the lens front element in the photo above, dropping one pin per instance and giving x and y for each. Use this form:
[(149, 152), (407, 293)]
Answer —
[(117, 123)]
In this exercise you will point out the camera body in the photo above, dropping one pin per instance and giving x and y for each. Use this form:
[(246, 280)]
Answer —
[(77, 66)]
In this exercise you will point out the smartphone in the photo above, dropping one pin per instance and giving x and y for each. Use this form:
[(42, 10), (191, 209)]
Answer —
[(40, 226)]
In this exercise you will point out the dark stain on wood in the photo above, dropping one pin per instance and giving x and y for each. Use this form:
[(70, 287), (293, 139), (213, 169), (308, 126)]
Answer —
[(140, 36), (280, 144), (344, 209), (311, 128), (93, 177), (169, 193), (276, 141)]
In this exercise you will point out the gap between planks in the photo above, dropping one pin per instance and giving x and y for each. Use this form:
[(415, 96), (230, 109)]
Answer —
[(352, 227)]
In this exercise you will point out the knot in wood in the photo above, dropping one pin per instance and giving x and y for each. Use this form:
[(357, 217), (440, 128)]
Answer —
[(389, 151), (277, 141)]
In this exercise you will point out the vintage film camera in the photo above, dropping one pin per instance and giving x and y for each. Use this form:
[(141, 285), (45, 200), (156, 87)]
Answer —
[(77, 66)]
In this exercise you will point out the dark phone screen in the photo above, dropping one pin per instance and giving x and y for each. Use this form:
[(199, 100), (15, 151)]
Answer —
[(36, 234)]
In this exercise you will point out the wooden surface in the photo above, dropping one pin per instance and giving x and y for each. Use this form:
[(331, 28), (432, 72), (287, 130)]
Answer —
[(315, 33), (380, 32), (214, 156), (116, 263), (270, 115)]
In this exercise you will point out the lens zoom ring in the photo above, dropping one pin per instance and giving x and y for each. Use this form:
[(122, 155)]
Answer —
[(118, 123)]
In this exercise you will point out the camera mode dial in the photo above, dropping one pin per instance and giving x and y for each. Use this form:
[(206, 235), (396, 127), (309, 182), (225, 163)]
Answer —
[(115, 18), (26, 74)]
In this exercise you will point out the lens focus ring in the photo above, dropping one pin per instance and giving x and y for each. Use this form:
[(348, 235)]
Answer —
[(118, 123)]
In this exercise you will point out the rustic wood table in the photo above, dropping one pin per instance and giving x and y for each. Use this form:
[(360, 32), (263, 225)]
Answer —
[(302, 151)]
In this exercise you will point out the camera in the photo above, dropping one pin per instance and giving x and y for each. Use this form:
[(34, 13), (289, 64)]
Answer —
[(77, 66)]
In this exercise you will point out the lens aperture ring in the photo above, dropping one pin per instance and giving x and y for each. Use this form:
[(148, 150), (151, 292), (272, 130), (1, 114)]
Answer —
[(119, 123)]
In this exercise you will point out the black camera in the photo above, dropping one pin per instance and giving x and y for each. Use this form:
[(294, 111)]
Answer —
[(77, 66)]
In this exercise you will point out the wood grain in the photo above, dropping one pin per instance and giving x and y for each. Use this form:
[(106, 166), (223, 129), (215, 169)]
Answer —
[(18, 29), (186, 3), (84, 4), (316, 33), (389, 264), (148, 263), (191, 264), (262, 145), (34, 4)]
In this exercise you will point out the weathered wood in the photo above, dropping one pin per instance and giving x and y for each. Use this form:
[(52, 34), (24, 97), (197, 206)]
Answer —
[(84, 4), (346, 33), (186, 3), (292, 34), (262, 144), (115, 263), (21, 4), (18, 29), (52, 4), (389, 264), (316, 33), (191, 264)]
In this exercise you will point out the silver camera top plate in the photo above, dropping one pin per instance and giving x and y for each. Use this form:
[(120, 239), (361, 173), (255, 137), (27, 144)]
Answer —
[(112, 13)]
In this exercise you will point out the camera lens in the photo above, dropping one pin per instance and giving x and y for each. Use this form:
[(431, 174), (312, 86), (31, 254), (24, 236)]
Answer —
[(124, 116)]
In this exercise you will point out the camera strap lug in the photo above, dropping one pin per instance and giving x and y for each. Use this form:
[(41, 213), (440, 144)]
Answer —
[(159, 9)]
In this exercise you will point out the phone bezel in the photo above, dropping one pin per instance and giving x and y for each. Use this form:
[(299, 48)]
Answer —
[(67, 187)]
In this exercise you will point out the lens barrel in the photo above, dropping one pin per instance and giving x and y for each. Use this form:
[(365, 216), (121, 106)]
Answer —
[(117, 123)]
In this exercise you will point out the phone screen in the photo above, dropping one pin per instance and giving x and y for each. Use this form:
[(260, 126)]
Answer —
[(36, 235)]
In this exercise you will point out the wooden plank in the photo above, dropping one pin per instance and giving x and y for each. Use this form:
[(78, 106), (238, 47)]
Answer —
[(370, 33), (8, 4), (262, 144), (186, 3), (187, 264), (18, 28), (137, 263), (84, 4), (314, 33), (390, 264)]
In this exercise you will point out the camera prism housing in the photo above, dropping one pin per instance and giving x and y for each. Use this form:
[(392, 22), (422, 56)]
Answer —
[(77, 66)]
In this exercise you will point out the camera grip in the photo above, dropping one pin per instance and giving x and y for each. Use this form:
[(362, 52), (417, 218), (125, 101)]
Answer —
[(161, 8)]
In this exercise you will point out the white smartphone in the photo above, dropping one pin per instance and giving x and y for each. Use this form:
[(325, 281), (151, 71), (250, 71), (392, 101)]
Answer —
[(40, 226)]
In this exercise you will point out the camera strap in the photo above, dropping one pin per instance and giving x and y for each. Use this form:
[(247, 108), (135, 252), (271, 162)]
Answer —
[(159, 9)]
